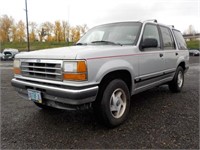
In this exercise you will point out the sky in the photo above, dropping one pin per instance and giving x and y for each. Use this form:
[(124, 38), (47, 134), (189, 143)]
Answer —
[(180, 13)]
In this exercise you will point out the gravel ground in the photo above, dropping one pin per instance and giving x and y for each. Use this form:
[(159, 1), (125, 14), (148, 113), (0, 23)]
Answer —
[(158, 119)]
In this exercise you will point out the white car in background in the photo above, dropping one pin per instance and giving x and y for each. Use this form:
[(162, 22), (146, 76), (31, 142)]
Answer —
[(9, 54), (194, 52), (1, 55)]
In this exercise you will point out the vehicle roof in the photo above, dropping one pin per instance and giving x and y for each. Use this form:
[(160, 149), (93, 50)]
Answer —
[(10, 50), (153, 21)]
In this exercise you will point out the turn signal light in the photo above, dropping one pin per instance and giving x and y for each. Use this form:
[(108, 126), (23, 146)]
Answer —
[(77, 77), (81, 66), (16, 70)]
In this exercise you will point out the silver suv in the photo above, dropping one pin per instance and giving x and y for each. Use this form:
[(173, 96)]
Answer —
[(108, 65)]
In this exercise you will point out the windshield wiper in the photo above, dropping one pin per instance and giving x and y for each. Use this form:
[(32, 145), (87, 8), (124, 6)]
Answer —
[(107, 42), (81, 43)]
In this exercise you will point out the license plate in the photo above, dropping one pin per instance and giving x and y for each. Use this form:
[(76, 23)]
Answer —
[(35, 96)]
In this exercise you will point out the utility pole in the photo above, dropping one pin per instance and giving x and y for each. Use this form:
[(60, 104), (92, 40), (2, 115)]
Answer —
[(28, 43), (68, 25)]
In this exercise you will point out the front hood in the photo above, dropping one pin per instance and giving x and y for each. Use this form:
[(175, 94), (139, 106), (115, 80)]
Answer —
[(73, 52), (53, 53)]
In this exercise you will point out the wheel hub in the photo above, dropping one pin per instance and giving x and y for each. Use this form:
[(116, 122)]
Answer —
[(180, 79), (118, 102)]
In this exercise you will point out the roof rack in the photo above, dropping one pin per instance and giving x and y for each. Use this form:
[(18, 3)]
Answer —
[(172, 26), (153, 20)]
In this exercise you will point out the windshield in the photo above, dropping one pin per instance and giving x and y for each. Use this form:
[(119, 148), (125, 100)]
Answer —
[(116, 33), (7, 53)]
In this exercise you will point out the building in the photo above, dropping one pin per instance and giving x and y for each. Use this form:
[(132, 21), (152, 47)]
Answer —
[(189, 37)]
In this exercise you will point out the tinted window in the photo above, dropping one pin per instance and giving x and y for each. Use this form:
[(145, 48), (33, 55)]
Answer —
[(168, 42), (180, 40), (151, 31)]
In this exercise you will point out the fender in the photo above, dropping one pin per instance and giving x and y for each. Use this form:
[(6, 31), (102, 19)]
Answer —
[(184, 59), (115, 65)]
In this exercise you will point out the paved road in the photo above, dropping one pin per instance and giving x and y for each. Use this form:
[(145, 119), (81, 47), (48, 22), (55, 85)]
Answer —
[(158, 119)]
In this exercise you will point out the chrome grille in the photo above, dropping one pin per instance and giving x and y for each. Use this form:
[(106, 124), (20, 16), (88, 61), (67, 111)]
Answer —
[(44, 70)]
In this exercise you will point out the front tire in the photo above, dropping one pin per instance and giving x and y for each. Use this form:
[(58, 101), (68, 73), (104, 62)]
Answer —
[(176, 84), (112, 107)]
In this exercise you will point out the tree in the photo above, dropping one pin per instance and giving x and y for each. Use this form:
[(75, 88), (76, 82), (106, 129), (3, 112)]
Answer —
[(190, 30), (83, 29), (14, 32), (75, 33), (6, 24), (41, 33), (33, 27), (20, 31), (58, 31), (65, 30), (48, 29)]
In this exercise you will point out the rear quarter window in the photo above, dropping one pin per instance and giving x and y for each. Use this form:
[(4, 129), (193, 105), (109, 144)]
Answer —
[(180, 40)]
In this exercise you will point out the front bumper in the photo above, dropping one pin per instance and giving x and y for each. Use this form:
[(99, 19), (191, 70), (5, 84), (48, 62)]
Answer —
[(58, 96), (6, 58)]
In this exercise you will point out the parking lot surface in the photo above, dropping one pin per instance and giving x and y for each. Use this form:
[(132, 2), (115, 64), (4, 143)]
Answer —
[(158, 119)]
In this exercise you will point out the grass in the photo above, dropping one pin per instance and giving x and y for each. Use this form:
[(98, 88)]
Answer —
[(194, 44), (33, 45)]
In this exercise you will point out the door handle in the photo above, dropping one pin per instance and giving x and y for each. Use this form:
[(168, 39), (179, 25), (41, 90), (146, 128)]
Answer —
[(161, 54), (176, 54)]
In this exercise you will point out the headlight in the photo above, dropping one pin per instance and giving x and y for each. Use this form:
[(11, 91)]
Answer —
[(75, 70), (70, 66), (16, 66), (16, 63)]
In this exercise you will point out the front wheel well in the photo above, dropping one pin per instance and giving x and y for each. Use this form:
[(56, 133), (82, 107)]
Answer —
[(182, 64), (119, 74)]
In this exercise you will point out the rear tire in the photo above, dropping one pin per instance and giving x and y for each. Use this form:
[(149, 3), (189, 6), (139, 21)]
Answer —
[(176, 84), (113, 105)]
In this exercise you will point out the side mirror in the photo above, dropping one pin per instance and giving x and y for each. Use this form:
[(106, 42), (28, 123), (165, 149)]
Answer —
[(149, 43)]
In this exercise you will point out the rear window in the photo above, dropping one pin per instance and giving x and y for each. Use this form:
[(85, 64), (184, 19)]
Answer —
[(180, 40)]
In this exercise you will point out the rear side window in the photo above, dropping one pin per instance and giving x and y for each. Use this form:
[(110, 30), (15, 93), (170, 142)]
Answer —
[(168, 42), (180, 40)]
